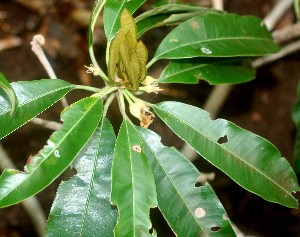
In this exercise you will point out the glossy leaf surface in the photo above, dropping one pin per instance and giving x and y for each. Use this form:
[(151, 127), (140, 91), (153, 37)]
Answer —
[(250, 160), (189, 210), (213, 70), (112, 13), (168, 15), (80, 121), (6, 87), (133, 186), (34, 97), (296, 119), (217, 35), (82, 204)]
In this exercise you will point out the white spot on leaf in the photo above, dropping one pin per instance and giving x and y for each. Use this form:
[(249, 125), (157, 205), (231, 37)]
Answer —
[(56, 153), (200, 212), (206, 50)]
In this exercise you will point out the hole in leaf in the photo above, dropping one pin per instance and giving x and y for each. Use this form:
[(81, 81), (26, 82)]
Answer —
[(223, 139), (200, 212), (215, 228)]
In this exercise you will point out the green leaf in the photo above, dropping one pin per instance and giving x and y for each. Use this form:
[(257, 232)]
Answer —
[(297, 8), (250, 160), (93, 20), (34, 97), (112, 13), (80, 120), (133, 186), (82, 205), (213, 70), (168, 15), (189, 210), (4, 84), (217, 35), (296, 119)]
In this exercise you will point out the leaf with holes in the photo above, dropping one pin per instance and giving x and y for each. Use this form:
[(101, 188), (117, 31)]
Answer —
[(34, 97), (133, 186), (250, 160), (168, 15), (213, 70), (4, 85), (217, 35), (187, 209), (86, 209), (112, 13), (61, 149)]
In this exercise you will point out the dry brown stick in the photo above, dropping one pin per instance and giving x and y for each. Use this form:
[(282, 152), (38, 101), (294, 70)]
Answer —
[(287, 33), (10, 42)]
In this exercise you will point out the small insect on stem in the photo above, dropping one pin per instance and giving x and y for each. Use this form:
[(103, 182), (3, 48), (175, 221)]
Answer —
[(137, 148)]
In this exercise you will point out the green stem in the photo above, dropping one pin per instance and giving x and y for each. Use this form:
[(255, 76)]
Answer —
[(121, 102), (106, 90), (87, 88), (153, 60), (108, 103), (130, 95), (125, 93), (91, 49)]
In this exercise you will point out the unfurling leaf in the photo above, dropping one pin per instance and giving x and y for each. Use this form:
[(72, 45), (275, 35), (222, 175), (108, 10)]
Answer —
[(127, 56)]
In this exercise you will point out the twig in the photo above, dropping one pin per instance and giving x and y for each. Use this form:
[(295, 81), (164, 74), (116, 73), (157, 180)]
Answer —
[(36, 47), (277, 12), (287, 33), (31, 205), (290, 48), (46, 123), (10, 42)]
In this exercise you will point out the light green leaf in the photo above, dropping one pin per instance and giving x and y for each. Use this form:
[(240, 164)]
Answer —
[(217, 35), (112, 13), (34, 97), (86, 209), (168, 15), (189, 210), (4, 85), (296, 119), (297, 8), (213, 70), (133, 186), (61, 149), (250, 160)]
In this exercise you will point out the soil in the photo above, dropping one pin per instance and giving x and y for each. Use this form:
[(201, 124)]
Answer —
[(262, 106)]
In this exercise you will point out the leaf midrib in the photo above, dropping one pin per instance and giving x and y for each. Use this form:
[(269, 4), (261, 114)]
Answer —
[(30, 174), (208, 41), (175, 187)]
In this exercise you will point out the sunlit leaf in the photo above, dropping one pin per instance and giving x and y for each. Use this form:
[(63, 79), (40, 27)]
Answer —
[(34, 97), (189, 210), (61, 149), (4, 85), (86, 209), (217, 35), (213, 70), (250, 160), (133, 186)]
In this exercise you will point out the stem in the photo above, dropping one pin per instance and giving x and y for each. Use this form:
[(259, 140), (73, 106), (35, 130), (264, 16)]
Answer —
[(128, 98), (108, 103), (121, 102), (36, 47), (153, 60), (91, 49), (87, 88)]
